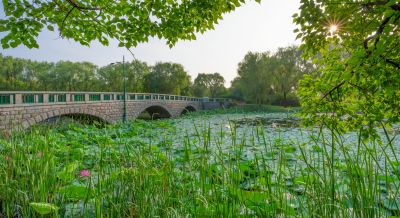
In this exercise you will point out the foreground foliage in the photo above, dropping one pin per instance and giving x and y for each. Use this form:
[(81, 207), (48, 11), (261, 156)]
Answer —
[(356, 48), (129, 22), (201, 166)]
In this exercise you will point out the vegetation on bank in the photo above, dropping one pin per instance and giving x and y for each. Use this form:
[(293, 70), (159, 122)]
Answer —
[(248, 109), (248, 164)]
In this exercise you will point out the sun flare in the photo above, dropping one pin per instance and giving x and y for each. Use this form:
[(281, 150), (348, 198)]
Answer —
[(333, 28)]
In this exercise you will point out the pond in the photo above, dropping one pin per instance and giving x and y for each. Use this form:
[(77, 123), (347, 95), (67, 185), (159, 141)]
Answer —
[(276, 140), (202, 165)]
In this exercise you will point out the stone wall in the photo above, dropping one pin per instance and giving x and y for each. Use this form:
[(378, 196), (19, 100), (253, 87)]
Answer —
[(22, 116)]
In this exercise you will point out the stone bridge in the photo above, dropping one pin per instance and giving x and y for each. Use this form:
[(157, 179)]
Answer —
[(20, 110)]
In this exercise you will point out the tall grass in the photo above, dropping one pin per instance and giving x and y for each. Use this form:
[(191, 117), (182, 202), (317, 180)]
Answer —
[(139, 170)]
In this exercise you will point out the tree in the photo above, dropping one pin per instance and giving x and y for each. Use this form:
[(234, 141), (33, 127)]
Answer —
[(129, 22), (356, 48), (112, 76), (135, 73), (21, 74), (236, 89), (254, 77), (270, 77), (11, 71), (44, 75), (72, 76), (288, 68), (168, 78), (208, 85)]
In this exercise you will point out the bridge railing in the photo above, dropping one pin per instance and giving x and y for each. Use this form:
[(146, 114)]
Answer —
[(26, 98)]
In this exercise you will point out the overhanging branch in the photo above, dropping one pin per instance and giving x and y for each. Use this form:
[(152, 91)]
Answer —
[(75, 5), (333, 89), (378, 32)]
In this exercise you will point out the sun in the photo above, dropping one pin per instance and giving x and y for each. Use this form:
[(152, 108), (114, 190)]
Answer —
[(333, 28)]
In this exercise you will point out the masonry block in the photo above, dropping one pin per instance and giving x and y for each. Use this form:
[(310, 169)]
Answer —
[(25, 115)]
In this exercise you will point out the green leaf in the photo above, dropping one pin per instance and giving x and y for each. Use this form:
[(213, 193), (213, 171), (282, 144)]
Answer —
[(44, 208), (75, 192), (392, 204), (67, 174)]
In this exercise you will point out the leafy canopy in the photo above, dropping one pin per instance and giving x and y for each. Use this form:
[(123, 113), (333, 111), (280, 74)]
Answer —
[(356, 48), (209, 85), (270, 78), (167, 78), (129, 22)]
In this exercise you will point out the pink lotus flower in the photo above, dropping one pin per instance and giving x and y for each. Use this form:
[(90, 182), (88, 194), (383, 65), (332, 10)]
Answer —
[(84, 173)]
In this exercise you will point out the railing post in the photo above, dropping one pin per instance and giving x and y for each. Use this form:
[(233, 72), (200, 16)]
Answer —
[(68, 97), (86, 97), (12, 99), (18, 98), (45, 98)]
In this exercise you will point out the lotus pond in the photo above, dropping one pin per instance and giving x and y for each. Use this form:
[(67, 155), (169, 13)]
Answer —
[(199, 165)]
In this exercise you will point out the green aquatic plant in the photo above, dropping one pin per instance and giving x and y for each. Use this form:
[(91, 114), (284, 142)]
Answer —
[(203, 166)]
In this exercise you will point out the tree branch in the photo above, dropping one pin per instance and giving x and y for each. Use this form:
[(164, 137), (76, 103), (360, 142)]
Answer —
[(65, 18), (84, 9), (333, 89), (378, 32), (397, 65), (372, 4), (396, 7), (75, 5)]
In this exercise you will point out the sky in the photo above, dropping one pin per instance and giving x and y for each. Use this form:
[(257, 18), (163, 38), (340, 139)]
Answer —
[(253, 27)]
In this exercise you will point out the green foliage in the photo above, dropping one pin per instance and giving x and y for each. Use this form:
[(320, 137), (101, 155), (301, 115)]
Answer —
[(167, 78), (209, 165), (75, 192), (270, 78), (43, 208), (20, 74), (111, 76), (288, 69), (129, 22), (253, 78), (358, 78), (211, 85)]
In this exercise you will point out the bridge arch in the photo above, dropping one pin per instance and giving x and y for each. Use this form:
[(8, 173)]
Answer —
[(188, 109), (71, 112), (157, 111)]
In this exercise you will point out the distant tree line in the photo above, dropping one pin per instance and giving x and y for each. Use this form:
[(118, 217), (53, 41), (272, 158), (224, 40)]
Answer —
[(169, 78), (263, 78), (270, 78)]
